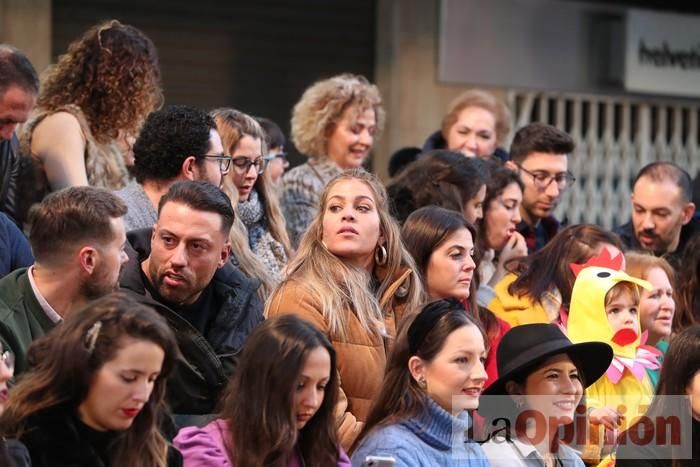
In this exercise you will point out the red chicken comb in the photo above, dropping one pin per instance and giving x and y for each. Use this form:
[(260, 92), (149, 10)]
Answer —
[(604, 260)]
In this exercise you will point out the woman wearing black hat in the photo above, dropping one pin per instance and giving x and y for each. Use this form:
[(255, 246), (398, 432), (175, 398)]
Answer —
[(543, 376)]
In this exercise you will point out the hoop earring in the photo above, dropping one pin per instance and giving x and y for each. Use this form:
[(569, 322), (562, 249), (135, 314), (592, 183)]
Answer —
[(380, 256)]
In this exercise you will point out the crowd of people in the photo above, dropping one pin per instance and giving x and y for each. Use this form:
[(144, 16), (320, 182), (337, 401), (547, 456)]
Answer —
[(171, 295)]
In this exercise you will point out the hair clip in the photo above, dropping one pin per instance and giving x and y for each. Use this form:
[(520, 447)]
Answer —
[(91, 336)]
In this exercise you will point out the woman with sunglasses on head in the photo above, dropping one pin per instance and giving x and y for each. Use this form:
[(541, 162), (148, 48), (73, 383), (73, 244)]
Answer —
[(434, 376), (278, 409), (257, 205), (354, 280), (93, 396)]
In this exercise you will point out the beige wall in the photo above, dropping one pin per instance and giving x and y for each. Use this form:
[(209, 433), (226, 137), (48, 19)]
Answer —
[(406, 73), (26, 24)]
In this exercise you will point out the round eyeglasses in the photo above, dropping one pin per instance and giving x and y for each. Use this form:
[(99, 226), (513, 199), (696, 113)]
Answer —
[(224, 161), (282, 156), (242, 164), (543, 179)]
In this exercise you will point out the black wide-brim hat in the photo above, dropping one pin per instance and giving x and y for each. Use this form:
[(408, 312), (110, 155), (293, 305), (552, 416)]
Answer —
[(524, 347)]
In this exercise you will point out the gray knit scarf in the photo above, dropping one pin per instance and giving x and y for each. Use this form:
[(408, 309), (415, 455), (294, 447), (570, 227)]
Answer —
[(266, 248)]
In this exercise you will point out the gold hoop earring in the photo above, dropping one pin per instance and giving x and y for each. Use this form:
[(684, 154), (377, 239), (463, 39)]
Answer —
[(380, 256)]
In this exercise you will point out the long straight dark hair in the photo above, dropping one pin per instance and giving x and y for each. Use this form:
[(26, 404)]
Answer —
[(63, 367), (259, 402), (401, 397), (681, 363), (423, 232), (687, 287), (550, 266)]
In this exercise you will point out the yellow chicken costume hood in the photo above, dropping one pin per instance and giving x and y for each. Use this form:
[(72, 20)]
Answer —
[(587, 319)]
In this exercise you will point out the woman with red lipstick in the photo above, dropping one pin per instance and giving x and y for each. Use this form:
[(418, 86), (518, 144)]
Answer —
[(542, 378), (334, 124), (257, 204), (278, 409), (355, 281), (93, 395), (656, 306), (499, 240), (442, 245), (434, 376)]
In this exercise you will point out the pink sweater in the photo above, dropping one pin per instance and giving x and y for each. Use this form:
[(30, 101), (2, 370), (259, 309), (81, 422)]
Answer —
[(204, 447)]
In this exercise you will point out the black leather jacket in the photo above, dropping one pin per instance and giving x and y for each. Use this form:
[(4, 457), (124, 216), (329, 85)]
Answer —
[(17, 177), (207, 361)]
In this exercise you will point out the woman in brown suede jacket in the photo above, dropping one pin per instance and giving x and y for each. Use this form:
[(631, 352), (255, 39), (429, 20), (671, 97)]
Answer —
[(354, 280)]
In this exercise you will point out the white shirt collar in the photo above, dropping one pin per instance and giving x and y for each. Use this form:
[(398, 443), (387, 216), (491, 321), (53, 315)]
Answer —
[(48, 309)]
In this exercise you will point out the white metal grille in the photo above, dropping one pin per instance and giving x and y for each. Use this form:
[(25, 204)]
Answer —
[(615, 137)]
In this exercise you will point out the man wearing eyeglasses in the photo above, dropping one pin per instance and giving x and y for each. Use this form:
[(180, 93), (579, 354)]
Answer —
[(175, 143), (539, 154)]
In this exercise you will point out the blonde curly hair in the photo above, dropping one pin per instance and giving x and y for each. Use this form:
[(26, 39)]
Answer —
[(322, 105), (112, 74)]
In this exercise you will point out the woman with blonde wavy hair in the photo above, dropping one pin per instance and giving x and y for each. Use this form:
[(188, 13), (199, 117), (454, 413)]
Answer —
[(354, 280), (257, 206), (335, 124), (91, 107), (94, 394)]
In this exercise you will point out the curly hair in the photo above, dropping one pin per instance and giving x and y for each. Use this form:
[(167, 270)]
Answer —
[(167, 138), (438, 178), (112, 74), (322, 105)]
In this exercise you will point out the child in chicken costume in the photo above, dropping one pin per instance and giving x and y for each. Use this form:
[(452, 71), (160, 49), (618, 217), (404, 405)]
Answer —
[(603, 308)]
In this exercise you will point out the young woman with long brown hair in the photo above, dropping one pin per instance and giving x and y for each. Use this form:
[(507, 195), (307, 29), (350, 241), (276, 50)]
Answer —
[(442, 243), (246, 184), (435, 375), (354, 280), (278, 409), (93, 395)]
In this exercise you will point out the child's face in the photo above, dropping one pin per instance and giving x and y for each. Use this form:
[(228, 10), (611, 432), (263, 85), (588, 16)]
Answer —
[(622, 312)]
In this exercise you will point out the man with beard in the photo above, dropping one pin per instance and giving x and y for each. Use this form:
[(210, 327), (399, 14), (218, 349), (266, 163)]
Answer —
[(176, 143), (539, 154), (78, 239), (662, 212), (181, 268)]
